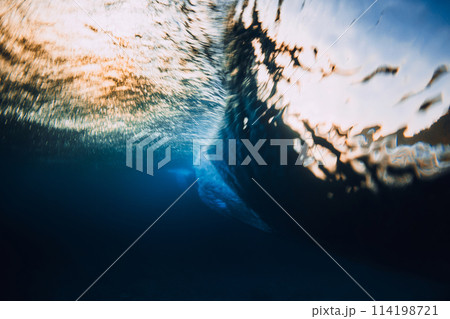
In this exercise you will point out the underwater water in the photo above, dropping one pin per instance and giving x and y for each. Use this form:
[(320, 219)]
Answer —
[(65, 222), (369, 89)]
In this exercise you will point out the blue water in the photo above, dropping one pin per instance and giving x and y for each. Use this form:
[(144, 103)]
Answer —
[(64, 222)]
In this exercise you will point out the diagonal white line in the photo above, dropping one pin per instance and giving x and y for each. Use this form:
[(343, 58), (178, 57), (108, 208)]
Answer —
[(137, 239), (320, 56), (315, 241)]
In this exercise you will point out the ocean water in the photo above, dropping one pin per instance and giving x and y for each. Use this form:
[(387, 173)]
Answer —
[(64, 222), (71, 96)]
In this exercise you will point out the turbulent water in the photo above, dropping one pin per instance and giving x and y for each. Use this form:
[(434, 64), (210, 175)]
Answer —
[(365, 84), (110, 68)]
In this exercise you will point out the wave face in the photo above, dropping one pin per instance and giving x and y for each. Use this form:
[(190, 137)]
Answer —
[(364, 83), (369, 90), (368, 93), (108, 69)]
